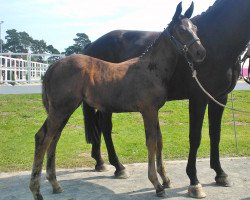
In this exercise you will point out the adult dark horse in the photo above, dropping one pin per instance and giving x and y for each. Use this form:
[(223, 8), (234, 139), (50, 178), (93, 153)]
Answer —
[(136, 85), (224, 30)]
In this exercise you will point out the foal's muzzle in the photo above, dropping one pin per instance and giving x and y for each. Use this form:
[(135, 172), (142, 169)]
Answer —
[(197, 52)]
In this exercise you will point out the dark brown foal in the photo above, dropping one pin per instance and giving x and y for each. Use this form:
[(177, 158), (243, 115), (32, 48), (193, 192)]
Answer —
[(136, 85)]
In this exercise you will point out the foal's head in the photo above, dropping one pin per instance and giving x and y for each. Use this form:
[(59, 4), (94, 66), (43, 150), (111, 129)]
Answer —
[(183, 34)]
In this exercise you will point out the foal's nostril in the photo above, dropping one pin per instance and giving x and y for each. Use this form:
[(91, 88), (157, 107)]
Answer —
[(201, 53), (198, 53)]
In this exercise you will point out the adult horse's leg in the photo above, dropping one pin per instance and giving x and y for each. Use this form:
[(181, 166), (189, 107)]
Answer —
[(159, 160), (51, 156), (106, 127), (215, 113), (197, 107), (93, 134), (150, 118), (96, 154), (43, 139)]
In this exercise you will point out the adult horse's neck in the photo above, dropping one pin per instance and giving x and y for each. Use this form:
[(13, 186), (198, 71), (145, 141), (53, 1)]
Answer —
[(225, 28), (161, 58)]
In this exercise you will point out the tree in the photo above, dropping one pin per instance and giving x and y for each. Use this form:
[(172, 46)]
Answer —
[(80, 42), (25, 40), (51, 50), (21, 42), (17, 42), (38, 47)]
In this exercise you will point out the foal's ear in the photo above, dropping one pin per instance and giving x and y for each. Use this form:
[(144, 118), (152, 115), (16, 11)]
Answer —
[(189, 11), (177, 12)]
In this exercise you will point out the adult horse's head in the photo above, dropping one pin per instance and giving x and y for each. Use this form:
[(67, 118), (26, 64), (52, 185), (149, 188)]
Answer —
[(183, 34)]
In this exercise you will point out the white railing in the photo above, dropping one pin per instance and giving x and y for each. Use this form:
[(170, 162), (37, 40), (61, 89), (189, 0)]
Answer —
[(18, 70)]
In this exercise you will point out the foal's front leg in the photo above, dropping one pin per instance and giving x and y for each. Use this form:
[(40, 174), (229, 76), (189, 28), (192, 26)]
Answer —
[(159, 159), (150, 118)]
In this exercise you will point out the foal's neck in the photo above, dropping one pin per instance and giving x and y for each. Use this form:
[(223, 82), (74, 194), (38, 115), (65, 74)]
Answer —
[(161, 58)]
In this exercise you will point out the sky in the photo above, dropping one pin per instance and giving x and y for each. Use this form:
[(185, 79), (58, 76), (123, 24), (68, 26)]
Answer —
[(58, 21)]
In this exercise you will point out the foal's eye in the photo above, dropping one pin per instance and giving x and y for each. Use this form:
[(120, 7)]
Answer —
[(182, 29), (195, 27)]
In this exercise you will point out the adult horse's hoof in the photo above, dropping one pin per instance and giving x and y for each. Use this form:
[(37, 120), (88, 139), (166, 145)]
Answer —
[(57, 190), (223, 181), (123, 174), (196, 191), (160, 192), (101, 168)]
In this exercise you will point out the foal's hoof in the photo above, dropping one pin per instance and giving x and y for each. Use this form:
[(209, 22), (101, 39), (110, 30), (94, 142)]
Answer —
[(167, 184), (38, 196), (123, 174), (223, 181), (101, 168), (160, 192), (196, 191), (57, 190)]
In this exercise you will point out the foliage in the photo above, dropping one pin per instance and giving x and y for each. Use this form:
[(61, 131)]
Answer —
[(22, 42), (80, 42), (17, 42), (22, 115)]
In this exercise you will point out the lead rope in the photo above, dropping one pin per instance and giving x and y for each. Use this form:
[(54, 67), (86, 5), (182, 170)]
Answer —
[(194, 75), (235, 132)]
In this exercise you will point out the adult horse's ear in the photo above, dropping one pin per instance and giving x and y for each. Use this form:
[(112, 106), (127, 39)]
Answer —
[(177, 12), (189, 11)]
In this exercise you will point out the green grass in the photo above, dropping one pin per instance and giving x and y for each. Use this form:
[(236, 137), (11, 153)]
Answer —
[(22, 115)]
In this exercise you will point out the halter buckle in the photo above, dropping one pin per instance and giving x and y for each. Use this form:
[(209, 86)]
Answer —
[(185, 48)]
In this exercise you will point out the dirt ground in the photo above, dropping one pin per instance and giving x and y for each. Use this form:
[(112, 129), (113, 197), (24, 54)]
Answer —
[(85, 183)]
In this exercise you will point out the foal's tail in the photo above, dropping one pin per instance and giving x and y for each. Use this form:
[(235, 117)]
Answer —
[(44, 98), (45, 83), (92, 130)]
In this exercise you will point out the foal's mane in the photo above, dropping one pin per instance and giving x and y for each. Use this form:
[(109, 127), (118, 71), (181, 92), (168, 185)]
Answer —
[(157, 40)]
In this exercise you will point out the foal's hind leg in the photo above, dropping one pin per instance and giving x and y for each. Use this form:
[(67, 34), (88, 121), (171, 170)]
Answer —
[(43, 139), (159, 160), (215, 115), (106, 127), (51, 156)]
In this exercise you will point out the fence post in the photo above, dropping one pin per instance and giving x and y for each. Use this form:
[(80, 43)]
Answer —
[(29, 67), (5, 71), (1, 67)]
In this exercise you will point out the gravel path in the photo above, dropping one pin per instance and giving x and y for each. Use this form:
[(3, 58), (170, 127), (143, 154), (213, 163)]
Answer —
[(85, 184)]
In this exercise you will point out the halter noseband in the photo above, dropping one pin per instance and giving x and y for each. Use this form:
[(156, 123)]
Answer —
[(181, 47)]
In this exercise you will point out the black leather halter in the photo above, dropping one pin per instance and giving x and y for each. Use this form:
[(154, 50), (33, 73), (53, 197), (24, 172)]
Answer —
[(181, 47)]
